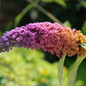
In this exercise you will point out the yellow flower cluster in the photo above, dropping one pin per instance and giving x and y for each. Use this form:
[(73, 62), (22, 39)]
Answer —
[(81, 39)]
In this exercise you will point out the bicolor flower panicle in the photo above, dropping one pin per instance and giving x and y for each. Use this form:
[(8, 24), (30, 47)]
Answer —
[(51, 37)]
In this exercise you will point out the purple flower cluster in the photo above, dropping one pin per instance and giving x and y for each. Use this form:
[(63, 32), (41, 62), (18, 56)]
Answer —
[(51, 37)]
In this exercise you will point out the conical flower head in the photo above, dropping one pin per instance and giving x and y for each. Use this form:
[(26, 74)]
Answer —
[(51, 37)]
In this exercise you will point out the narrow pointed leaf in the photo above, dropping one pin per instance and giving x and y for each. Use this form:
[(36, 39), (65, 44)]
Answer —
[(9, 25), (60, 69), (47, 1), (67, 23), (73, 73), (20, 16), (61, 2), (83, 45), (84, 28)]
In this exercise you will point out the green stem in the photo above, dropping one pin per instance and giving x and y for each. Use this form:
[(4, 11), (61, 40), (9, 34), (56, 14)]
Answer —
[(20, 15), (45, 11), (60, 69), (73, 73)]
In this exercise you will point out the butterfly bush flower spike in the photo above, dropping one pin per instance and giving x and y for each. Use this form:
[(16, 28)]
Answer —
[(51, 37)]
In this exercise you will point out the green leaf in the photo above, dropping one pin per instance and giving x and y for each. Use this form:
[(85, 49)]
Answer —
[(8, 66), (1, 33), (60, 69), (20, 16), (84, 28), (67, 23), (83, 3), (78, 6), (83, 45), (61, 2), (73, 73), (47, 1), (9, 25)]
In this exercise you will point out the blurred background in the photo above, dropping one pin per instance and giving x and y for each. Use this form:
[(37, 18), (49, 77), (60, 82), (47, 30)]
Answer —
[(22, 67)]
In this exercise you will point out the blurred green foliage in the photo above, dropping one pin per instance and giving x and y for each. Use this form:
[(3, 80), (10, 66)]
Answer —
[(32, 70), (30, 67)]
